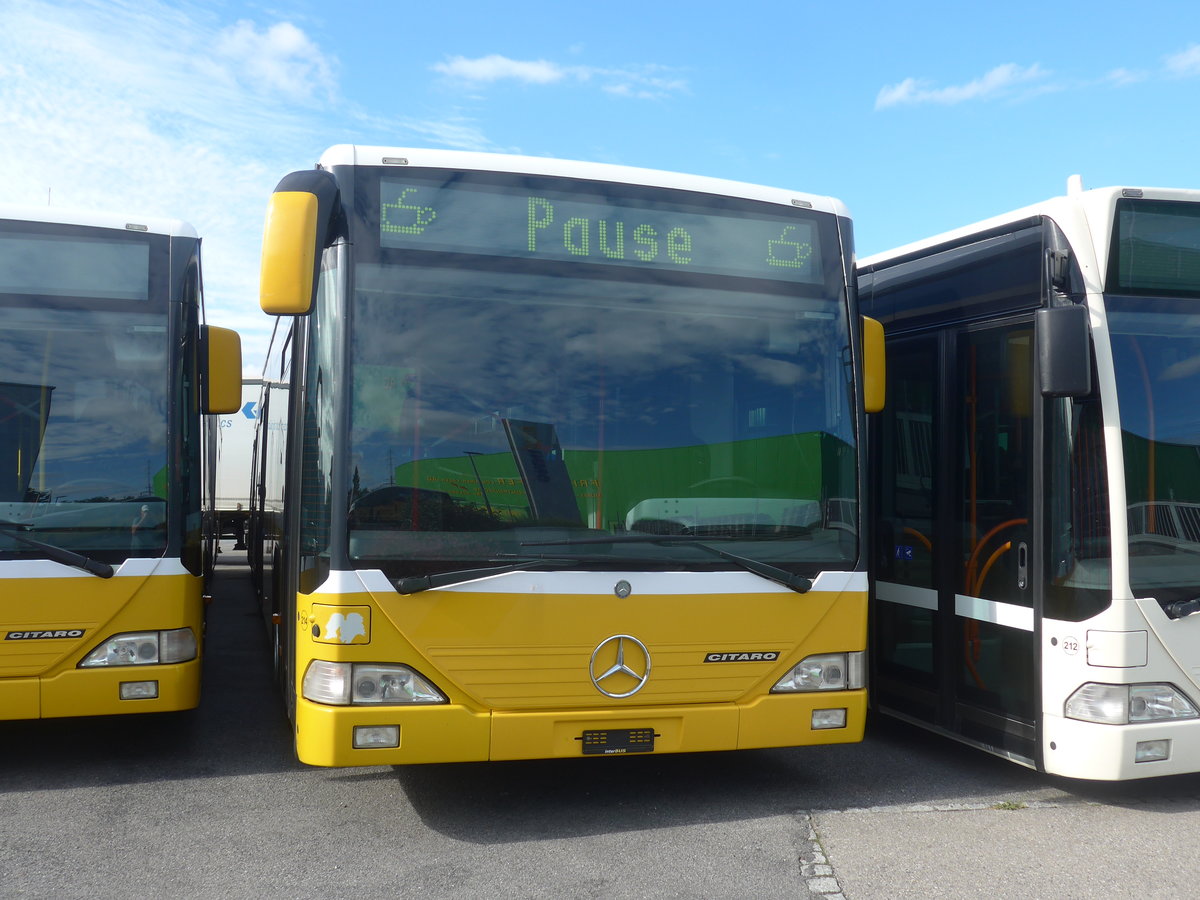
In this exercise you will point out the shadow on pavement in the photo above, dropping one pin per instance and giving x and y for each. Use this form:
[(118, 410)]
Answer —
[(238, 728)]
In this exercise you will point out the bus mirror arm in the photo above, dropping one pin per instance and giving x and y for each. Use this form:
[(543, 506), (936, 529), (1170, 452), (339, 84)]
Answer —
[(1058, 269)]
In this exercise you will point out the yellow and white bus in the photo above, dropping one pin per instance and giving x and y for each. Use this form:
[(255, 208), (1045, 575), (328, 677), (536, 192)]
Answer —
[(1038, 475), (105, 368), (559, 459)]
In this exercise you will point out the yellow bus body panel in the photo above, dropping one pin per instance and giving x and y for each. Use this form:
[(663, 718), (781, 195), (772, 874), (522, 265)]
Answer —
[(516, 669), (40, 678), (20, 698), (428, 734)]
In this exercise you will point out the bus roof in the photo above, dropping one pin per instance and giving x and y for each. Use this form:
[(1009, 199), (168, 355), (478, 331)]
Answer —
[(350, 154), (1097, 205), (93, 219)]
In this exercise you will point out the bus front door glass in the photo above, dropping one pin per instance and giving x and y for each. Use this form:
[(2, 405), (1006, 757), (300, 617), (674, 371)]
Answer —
[(955, 622), (993, 596), (906, 626)]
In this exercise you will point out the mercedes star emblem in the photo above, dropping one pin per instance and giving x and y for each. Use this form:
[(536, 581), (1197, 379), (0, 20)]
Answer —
[(621, 657)]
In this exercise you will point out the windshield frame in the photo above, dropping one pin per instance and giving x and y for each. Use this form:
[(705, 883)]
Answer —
[(330, 333), (171, 298)]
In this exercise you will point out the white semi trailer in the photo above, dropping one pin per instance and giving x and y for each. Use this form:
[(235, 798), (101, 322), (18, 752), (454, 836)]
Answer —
[(234, 443)]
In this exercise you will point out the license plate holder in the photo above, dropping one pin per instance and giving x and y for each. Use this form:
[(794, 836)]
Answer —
[(612, 741)]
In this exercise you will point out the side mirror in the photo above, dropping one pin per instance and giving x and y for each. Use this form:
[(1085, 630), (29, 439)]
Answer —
[(874, 387), (296, 231), (222, 350), (289, 250), (1064, 352)]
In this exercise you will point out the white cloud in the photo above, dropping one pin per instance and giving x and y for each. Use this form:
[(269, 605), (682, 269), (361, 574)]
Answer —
[(454, 131), (1184, 63), (1121, 77), (1001, 81), (138, 107), (645, 83), (499, 68), (279, 59), (896, 94), (641, 82), (1011, 80)]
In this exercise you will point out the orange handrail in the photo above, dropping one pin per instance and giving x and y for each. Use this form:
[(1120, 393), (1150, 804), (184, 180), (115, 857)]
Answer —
[(973, 561), (1000, 551), (928, 544)]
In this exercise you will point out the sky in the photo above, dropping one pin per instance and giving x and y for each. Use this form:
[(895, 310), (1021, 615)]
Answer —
[(921, 117)]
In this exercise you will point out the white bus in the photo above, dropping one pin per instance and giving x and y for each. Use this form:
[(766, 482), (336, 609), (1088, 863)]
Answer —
[(1037, 560)]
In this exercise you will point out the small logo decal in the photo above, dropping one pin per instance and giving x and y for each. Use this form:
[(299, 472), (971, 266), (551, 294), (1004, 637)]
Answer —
[(341, 624), (742, 656), (56, 634)]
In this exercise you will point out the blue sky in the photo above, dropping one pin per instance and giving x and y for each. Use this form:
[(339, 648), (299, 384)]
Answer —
[(920, 116)]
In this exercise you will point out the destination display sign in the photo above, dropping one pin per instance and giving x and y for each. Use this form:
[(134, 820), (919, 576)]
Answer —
[(522, 221), (59, 266)]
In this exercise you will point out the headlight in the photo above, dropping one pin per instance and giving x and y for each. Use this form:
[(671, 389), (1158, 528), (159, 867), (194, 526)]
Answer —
[(825, 672), (142, 648), (1124, 704), (343, 684), (392, 684)]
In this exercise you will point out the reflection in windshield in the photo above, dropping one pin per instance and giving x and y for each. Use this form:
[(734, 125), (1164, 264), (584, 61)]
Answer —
[(83, 430), (485, 403), (1156, 349)]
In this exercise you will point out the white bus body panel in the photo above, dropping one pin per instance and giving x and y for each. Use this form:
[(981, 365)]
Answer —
[(1132, 642), (353, 155), (56, 216)]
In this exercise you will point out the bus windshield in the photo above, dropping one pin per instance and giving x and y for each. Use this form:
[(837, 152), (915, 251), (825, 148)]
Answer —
[(83, 443), (501, 399), (1156, 351)]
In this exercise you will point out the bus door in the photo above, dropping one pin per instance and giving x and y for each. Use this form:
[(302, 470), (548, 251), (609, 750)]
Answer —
[(954, 625)]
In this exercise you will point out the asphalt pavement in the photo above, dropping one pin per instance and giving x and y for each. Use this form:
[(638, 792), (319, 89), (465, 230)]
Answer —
[(212, 803)]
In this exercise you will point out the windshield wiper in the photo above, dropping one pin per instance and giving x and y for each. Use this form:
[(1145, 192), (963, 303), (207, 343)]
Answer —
[(414, 584), (797, 583), (1181, 609), (15, 530)]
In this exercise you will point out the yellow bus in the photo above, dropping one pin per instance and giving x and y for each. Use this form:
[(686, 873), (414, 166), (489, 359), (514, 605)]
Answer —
[(105, 369), (559, 459)]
